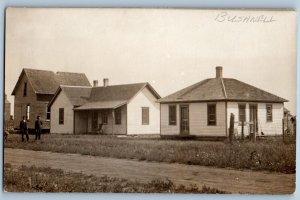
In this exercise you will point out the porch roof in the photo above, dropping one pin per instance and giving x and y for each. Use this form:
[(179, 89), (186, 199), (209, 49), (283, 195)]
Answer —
[(101, 105)]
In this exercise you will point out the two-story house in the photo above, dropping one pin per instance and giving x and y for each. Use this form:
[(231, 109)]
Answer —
[(35, 88)]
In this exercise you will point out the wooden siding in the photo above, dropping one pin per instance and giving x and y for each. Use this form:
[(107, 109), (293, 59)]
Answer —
[(36, 107), (268, 128), (81, 122), (134, 115), (44, 97), (274, 127), (62, 101), (167, 129), (197, 120)]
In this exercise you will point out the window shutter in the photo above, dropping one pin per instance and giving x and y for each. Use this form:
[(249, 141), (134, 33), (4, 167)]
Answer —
[(172, 115), (145, 116), (61, 116)]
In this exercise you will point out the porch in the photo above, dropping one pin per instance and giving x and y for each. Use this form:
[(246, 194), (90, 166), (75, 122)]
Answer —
[(101, 118)]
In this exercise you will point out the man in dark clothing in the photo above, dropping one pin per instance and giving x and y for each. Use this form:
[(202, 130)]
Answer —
[(24, 129), (38, 128)]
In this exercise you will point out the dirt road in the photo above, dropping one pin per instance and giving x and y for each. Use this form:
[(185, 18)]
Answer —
[(234, 181)]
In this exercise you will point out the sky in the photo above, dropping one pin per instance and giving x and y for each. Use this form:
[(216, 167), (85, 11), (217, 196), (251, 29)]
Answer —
[(169, 48)]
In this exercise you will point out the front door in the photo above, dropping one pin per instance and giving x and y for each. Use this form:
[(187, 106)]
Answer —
[(253, 119), (94, 120), (184, 119)]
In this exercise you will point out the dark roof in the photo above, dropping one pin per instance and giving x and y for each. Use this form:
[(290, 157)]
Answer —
[(47, 82), (78, 95), (221, 89), (70, 78), (116, 92), (102, 97), (238, 90)]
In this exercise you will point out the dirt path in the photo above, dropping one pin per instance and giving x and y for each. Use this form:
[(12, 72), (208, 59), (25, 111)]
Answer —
[(234, 181)]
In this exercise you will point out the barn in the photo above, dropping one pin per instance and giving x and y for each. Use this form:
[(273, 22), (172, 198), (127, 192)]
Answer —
[(203, 109), (128, 109)]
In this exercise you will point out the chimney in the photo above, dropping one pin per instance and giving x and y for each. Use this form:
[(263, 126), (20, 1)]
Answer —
[(95, 83), (105, 82), (219, 72)]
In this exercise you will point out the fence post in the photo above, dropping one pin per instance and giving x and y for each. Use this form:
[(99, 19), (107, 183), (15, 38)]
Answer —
[(231, 128), (283, 129), (254, 133), (243, 136)]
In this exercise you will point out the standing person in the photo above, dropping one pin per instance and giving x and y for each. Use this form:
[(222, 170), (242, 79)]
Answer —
[(38, 128), (24, 129)]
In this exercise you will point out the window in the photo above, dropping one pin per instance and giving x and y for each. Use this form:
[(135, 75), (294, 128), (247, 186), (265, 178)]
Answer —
[(104, 118), (27, 111), (61, 116), (172, 115), (242, 112), (48, 111), (25, 89), (269, 112), (211, 115), (118, 117), (145, 116)]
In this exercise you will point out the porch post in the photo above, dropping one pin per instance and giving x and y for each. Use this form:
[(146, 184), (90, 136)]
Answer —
[(74, 121), (87, 121)]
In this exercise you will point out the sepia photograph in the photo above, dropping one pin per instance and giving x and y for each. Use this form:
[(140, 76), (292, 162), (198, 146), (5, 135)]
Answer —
[(150, 100)]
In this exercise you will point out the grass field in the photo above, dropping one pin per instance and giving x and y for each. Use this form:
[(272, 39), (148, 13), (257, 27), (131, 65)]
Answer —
[(262, 155), (36, 179)]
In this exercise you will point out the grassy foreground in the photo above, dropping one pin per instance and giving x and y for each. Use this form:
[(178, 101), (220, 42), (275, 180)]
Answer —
[(262, 155), (36, 179)]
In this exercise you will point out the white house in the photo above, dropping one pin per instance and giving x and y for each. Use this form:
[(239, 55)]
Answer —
[(62, 104), (130, 109), (204, 109)]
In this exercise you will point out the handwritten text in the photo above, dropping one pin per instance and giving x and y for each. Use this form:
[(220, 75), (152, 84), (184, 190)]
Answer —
[(225, 17)]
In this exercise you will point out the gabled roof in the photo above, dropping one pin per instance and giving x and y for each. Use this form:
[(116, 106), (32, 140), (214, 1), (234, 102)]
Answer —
[(71, 78), (119, 92), (89, 98), (47, 82), (77, 95), (221, 89)]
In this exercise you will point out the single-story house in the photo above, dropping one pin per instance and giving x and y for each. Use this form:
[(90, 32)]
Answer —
[(130, 109), (35, 88), (204, 109)]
